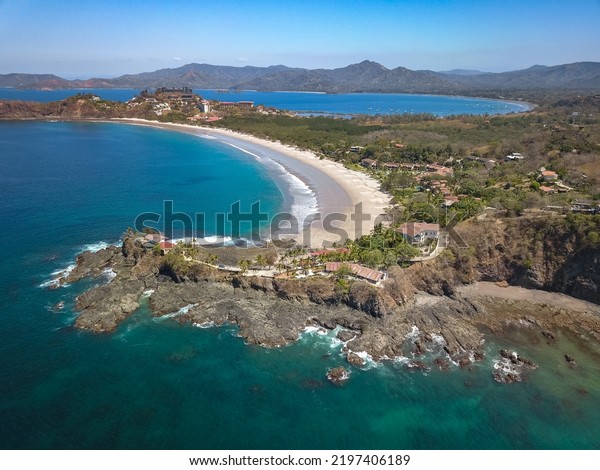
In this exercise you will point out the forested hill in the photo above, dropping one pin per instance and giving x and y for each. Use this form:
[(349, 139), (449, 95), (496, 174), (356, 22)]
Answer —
[(366, 76)]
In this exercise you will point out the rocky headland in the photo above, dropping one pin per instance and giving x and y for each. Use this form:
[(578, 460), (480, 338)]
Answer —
[(433, 313)]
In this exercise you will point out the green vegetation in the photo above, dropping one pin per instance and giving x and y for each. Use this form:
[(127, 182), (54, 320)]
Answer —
[(328, 136), (383, 247), (563, 136)]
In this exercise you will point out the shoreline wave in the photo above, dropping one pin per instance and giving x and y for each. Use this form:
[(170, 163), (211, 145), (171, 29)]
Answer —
[(303, 198)]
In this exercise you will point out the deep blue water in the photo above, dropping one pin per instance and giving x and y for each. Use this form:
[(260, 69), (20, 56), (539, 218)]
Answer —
[(313, 103), (157, 384)]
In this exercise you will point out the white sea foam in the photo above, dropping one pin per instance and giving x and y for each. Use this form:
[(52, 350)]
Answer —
[(506, 367), (214, 239), (95, 247), (401, 360), (413, 334), (369, 361), (109, 274), (147, 293), (257, 157), (206, 324), (57, 276), (304, 199), (323, 335), (181, 311), (437, 344), (313, 331)]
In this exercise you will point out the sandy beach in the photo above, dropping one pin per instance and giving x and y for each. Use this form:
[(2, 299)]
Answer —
[(338, 190)]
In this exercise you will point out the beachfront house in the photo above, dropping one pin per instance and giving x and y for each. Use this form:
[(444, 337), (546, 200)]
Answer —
[(362, 272), (368, 163), (419, 233)]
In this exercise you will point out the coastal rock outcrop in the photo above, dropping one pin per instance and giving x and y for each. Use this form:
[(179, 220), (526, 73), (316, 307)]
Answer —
[(511, 367), (92, 264), (338, 375), (433, 329), (549, 253)]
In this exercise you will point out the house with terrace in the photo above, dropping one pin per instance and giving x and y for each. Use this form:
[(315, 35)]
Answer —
[(419, 233)]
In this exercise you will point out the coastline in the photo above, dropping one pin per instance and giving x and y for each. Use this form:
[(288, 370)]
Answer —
[(337, 189)]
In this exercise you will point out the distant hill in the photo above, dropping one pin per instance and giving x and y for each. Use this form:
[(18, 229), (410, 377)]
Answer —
[(19, 80), (366, 76), (461, 72), (577, 76)]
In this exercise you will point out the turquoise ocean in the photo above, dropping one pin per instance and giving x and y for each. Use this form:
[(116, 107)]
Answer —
[(155, 384)]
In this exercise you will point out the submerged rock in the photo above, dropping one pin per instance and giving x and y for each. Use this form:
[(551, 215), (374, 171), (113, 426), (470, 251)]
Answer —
[(570, 360), (417, 365), (464, 362), (338, 375), (550, 337), (511, 367)]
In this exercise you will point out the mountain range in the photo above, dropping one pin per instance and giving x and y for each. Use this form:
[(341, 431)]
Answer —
[(366, 76)]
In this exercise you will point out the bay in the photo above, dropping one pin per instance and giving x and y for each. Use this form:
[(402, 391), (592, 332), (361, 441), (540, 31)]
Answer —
[(343, 104), (156, 384)]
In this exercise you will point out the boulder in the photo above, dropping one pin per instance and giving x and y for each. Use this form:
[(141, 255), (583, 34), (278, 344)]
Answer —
[(338, 375), (345, 335), (355, 359)]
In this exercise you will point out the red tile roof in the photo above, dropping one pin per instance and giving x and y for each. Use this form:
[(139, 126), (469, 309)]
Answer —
[(360, 271)]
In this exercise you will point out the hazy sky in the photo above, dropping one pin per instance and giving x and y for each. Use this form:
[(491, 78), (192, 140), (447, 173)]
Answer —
[(108, 38)]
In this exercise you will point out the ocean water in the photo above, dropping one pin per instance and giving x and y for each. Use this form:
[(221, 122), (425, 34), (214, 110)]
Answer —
[(343, 104), (155, 384)]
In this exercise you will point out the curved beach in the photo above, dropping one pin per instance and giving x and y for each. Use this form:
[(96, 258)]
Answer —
[(340, 193)]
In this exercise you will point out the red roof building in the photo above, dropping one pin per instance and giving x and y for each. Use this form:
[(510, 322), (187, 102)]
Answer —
[(549, 175), (419, 232), (165, 247), (362, 272)]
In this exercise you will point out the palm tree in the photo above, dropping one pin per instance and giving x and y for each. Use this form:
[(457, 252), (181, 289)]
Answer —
[(261, 261), (244, 265)]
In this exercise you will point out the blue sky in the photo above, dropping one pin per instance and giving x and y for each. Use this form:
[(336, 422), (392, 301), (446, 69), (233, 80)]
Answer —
[(108, 38)]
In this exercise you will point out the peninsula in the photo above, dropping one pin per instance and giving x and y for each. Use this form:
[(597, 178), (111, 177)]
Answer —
[(463, 219)]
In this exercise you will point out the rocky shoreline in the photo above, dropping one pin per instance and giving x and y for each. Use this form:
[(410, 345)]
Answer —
[(430, 330)]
